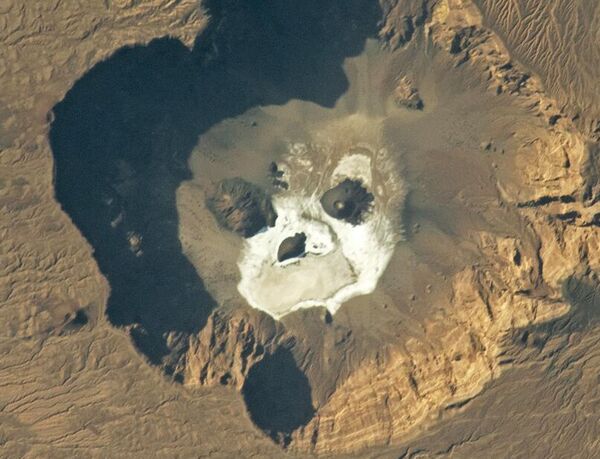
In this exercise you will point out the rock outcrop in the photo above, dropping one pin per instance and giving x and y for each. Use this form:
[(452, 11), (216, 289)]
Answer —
[(228, 346), (241, 207), (407, 96)]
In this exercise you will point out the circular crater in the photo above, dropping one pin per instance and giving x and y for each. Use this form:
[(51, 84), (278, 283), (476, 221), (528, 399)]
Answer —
[(349, 201), (307, 216)]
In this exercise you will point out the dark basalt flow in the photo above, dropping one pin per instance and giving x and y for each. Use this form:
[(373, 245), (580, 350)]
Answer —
[(241, 207), (123, 134), (292, 247), (278, 396), (349, 201)]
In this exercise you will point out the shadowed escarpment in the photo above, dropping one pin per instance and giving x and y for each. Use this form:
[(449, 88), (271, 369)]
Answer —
[(122, 137), (550, 338), (277, 395)]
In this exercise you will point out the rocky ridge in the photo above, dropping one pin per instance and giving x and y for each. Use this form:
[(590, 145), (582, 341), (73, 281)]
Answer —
[(387, 398)]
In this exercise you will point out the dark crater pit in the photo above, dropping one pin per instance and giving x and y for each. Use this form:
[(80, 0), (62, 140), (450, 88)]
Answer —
[(349, 201), (292, 247), (121, 140)]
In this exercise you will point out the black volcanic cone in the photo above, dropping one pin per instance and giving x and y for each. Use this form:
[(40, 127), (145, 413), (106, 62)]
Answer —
[(349, 201), (241, 207)]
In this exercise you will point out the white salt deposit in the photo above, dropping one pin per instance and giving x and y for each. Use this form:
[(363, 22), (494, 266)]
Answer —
[(341, 260), (356, 166)]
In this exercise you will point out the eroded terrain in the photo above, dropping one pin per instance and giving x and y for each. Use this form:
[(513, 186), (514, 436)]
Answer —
[(134, 339)]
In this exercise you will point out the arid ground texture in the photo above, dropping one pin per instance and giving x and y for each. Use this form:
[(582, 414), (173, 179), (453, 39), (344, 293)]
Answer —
[(318, 228)]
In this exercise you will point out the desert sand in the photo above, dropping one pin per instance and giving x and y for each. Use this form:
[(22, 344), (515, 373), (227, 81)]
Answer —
[(455, 315)]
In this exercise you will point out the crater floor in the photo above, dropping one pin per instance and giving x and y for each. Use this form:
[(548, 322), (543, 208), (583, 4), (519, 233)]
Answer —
[(341, 258)]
